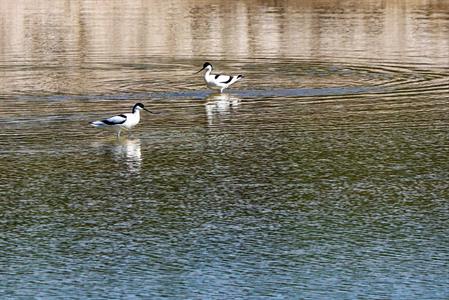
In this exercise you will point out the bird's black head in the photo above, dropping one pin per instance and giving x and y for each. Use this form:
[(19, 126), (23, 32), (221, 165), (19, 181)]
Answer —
[(140, 106), (205, 65)]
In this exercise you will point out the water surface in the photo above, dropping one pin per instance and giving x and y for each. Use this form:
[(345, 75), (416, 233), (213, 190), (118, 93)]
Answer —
[(322, 175)]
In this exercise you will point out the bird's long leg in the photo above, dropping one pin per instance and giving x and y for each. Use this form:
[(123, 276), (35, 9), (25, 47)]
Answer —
[(118, 133)]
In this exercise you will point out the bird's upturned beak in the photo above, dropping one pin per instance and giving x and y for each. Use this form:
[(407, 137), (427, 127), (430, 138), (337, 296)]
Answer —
[(149, 111), (200, 70)]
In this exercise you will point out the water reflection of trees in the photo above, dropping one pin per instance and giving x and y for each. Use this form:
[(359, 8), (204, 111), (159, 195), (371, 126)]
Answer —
[(81, 46), (222, 28)]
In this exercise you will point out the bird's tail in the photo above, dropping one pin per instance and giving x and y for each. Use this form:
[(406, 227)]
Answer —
[(97, 123)]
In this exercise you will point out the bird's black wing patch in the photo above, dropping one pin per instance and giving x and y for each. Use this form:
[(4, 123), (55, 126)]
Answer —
[(120, 119), (229, 80)]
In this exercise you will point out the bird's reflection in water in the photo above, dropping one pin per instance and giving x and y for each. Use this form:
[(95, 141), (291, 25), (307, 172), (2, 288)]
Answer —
[(125, 150), (219, 105), (128, 150)]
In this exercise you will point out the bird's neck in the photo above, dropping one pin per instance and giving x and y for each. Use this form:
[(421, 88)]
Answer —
[(208, 71)]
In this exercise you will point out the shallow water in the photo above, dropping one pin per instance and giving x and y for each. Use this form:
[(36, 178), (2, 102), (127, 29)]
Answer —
[(322, 175)]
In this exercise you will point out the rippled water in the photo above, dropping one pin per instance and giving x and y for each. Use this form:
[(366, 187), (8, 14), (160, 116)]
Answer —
[(322, 175)]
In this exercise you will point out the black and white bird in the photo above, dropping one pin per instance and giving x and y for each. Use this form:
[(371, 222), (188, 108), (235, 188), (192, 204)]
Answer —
[(122, 122), (218, 81)]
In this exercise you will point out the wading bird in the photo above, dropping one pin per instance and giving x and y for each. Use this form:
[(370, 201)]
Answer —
[(122, 122), (218, 81)]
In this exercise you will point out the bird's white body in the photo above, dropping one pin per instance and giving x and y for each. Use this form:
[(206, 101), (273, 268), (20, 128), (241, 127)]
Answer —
[(218, 81), (121, 122)]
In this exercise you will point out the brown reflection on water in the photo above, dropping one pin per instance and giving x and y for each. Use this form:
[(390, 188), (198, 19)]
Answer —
[(327, 164), (50, 30)]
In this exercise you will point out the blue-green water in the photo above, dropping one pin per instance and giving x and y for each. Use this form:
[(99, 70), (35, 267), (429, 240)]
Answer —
[(322, 175)]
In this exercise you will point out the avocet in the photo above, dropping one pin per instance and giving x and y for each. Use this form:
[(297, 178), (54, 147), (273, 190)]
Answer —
[(122, 122), (218, 81)]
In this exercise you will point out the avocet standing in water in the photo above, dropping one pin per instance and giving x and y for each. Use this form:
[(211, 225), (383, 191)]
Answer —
[(218, 81), (122, 122)]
